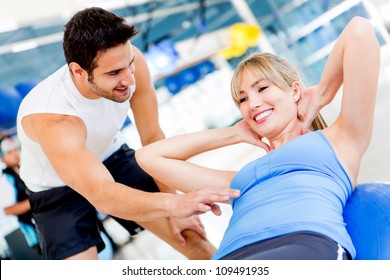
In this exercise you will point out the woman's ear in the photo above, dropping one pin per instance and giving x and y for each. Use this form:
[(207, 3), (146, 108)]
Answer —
[(296, 87)]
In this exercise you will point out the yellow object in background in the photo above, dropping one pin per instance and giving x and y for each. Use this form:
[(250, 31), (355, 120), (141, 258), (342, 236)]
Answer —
[(242, 36)]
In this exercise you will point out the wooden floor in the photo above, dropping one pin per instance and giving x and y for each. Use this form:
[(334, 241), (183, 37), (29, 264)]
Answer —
[(375, 168)]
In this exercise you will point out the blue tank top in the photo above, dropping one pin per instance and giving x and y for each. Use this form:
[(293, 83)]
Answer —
[(301, 186)]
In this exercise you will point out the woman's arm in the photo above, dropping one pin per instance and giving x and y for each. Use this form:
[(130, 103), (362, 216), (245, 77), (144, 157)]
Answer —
[(354, 62), (165, 160)]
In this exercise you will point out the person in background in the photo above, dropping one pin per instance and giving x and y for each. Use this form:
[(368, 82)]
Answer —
[(292, 199), (75, 161), (14, 199)]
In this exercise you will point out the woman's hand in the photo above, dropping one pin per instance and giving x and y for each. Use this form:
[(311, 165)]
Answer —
[(308, 107), (248, 135)]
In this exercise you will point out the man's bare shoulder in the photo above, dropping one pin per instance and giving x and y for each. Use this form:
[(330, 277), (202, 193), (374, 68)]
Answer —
[(44, 124)]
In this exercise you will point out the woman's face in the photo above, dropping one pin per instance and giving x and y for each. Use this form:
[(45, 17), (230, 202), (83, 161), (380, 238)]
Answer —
[(269, 110)]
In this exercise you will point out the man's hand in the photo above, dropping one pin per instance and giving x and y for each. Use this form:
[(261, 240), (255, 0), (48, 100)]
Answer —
[(188, 206), (201, 201), (178, 225), (308, 107)]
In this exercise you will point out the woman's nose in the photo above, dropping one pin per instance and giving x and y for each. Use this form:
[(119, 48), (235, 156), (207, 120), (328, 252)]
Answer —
[(255, 103)]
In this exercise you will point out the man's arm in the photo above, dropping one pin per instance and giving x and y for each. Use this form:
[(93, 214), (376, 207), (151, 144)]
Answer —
[(62, 138), (144, 103)]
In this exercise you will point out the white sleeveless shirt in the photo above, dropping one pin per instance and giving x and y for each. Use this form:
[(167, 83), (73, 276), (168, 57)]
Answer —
[(57, 94)]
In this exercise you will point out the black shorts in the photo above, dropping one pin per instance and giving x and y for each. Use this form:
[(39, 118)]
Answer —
[(293, 246), (67, 223)]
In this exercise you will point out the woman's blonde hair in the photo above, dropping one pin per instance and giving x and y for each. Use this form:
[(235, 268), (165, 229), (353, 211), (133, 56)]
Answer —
[(272, 68)]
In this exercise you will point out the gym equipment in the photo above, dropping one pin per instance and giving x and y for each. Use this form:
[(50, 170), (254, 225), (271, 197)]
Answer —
[(162, 57), (173, 84), (241, 36), (19, 248), (205, 67), (9, 105), (189, 76), (367, 216), (26, 86)]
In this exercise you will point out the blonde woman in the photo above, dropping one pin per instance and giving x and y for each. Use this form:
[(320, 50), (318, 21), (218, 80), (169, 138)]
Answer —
[(292, 199)]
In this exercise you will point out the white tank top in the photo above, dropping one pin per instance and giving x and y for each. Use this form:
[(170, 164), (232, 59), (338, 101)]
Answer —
[(57, 94)]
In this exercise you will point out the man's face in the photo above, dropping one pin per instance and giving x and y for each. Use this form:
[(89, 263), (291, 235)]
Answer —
[(114, 74)]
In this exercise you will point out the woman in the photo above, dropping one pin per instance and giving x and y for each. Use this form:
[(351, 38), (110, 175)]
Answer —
[(292, 199)]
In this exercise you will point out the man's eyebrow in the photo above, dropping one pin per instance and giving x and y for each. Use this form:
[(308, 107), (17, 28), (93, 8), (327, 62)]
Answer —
[(116, 70)]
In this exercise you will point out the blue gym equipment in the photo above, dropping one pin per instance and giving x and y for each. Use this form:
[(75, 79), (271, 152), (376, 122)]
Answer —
[(367, 215)]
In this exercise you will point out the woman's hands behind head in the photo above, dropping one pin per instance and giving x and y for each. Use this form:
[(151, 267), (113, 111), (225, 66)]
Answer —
[(248, 135), (308, 107)]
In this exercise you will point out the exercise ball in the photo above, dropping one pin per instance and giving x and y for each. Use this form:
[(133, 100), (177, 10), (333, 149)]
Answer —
[(26, 86), (367, 216), (9, 105)]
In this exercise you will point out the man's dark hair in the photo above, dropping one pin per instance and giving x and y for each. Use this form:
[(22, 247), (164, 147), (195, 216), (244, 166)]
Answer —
[(91, 32)]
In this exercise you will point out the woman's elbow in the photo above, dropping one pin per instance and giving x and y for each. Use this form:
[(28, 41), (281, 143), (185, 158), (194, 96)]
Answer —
[(360, 27), (144, 158), (361, 32)]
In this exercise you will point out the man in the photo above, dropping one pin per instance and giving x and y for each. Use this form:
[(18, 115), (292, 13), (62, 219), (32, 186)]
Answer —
[(13, 197), (74, 160)]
